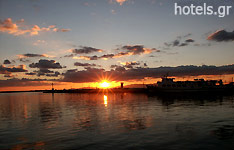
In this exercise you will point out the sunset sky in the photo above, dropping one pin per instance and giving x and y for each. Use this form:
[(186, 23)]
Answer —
[(79, 43)]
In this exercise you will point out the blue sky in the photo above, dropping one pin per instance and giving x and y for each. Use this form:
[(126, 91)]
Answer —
[(108, 25)]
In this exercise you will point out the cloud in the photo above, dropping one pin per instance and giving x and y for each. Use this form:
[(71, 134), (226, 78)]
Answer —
[(8, 75), (221, 35), (61, 30), (84, 64), (30, 73), (121, 74), (131, 64), (176, 43), (127, 50), (180, 41), (6, 61), (120, 2), (88, 75), (106, 56), (55, 74), (95, 57), (86, 50), (16, 28), (44, 72), (9, 70), (24, 60), (31, 55), (24, 82), (46, 64), (189, 41), (128, 65), (138, 49), (87, 57)]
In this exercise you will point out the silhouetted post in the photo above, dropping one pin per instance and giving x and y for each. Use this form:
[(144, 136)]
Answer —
[(122, 85), (52, 87)]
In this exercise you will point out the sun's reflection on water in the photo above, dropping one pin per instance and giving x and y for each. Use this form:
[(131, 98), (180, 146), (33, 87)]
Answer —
[(105, 100)]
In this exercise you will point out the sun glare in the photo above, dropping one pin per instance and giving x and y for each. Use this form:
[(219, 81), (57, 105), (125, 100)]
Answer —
[(104, 84)]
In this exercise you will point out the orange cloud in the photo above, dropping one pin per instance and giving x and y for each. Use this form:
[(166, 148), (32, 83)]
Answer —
[(120, 1), (15, 28)]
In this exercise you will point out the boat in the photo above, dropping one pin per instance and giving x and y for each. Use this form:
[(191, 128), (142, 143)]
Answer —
[(168, 85)]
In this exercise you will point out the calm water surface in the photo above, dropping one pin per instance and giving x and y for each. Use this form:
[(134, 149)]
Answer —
[(118, 121)]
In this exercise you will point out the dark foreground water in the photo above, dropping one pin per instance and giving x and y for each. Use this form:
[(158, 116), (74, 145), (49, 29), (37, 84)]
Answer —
[(115, 121)]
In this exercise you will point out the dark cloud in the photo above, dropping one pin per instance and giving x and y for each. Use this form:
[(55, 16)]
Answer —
[(55, 74), (71, 55), (126, 51), (183, 44), (84, 64), (7, 70), (32, 55), (221, 35), (30, 73), (24, 82), (121, 74), (189, 41), (6, 61), (86, 50), (176, 43), (130, 65), (24, 60), (8, 75), (180, 41), (114, 66), (121, 54), (46, 64), (71, 70), (120, 69), (126, 65), (186, 42), (88, 75), (44, 72), (106, 56), (137, 49)]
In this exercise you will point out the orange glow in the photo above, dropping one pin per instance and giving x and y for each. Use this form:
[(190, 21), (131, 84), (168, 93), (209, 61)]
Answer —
[(46, 85), (105, 84), (105, 100)]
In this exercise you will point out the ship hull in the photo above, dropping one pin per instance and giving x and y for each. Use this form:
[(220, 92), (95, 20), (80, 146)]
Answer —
[(158, 90)]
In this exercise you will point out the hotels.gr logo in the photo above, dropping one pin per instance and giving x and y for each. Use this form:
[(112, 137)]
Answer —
[(221, 11)]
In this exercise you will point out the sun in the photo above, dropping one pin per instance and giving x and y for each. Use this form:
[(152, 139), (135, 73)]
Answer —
[(104, 84)]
